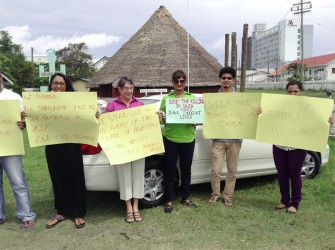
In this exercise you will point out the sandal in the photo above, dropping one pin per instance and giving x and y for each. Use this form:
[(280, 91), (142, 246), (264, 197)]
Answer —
[(280, 206), (213, 199), (291, 210), (188, 203), (28, 224), (228, 202), (58, 218), (138, 217), (130, 217), (79, 222)]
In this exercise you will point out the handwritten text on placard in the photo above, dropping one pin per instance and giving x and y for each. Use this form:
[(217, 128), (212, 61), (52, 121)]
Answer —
[(185, 110), (11, 139), (61, 117), (231, 115), (130, 134), (294, 121)]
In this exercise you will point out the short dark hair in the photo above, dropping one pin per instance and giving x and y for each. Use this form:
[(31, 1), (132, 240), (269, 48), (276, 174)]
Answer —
[(178, 74), (123, 80), (294, 82), (69, 87), (228, 70)]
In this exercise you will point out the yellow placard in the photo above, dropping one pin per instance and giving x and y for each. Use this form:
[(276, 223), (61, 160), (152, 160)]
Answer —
[(61, 117), (11, 138), (294, 121), (130, 134), (231, 115)]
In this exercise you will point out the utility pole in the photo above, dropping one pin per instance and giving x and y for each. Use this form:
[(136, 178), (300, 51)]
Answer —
[(32, 68), (234, 54), (301, 8), (244, 57), (267, 56), (226, 56)]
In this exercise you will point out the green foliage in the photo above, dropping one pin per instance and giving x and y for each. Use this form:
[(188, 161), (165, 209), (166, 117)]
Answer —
[(78, 63), (295, 68), (41, 81), (13, 63)]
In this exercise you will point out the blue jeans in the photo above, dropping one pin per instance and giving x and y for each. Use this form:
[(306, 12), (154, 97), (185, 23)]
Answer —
[(14, 170)]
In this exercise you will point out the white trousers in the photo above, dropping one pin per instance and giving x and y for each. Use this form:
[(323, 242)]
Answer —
[(131, 179)]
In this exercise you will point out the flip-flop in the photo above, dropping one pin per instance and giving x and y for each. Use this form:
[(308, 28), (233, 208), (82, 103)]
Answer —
[(291, 210), (79, 222), (58, 218), (280, 206)]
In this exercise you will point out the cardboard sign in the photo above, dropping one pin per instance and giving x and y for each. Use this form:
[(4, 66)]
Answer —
[(130, 134), (231, 115), (11, 138), (61, 117), (185, 110), (295, 121)]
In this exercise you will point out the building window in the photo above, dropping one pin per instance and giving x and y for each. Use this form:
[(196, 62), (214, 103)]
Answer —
[(310, 72), (333, 70), (298, 36)]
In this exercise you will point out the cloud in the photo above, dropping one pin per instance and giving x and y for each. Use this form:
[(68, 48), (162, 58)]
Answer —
[(219, 43), (22, 35)]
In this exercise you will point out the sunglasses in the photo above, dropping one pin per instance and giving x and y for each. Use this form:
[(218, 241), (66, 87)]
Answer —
[(226, 78), (178, 81)]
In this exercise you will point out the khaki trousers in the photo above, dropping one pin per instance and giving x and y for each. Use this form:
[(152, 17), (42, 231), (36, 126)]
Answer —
[(131, 179), (220, 150)]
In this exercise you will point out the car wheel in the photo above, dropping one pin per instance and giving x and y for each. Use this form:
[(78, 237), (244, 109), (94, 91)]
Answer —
[(311, 165), (153, 182)]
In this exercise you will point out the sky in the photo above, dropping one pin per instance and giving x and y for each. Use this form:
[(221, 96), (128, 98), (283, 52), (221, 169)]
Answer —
[(106, 25)]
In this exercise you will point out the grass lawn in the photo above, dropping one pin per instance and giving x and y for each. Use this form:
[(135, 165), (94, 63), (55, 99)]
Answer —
[(251, 223)]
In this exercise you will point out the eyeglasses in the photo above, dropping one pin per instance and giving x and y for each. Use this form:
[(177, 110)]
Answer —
[(226, 78), (178, 81), (59, 83), (128, 88)]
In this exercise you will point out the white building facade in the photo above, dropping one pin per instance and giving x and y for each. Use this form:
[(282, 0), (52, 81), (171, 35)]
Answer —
[(279, 45)]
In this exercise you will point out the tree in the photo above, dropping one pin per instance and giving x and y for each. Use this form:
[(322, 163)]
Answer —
[(78, 64), (295, 68), (13, 63)]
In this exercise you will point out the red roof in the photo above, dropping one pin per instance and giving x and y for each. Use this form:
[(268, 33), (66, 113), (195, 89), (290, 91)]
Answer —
[(318, 60), (310, 62)]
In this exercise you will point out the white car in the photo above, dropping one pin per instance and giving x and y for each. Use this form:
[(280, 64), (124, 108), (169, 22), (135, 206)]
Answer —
[(255, 160)]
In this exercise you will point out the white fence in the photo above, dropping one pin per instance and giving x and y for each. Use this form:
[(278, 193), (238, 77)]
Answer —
[(308, 85)]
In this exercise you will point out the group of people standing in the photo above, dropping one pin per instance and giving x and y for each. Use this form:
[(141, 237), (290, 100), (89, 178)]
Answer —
[(65, 162)]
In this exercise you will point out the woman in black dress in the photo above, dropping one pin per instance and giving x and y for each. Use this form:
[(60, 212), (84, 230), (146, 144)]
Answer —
[(65, 164)]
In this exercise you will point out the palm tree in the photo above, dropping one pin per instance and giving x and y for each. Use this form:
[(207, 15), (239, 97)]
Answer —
[(296, 69)]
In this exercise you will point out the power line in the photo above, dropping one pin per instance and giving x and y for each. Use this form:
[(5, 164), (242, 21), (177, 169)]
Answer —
[(325, 18), (301, 8), (320, 23), (320, 20)]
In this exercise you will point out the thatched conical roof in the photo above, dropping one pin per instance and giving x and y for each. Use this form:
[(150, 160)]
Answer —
[(155, 51)]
